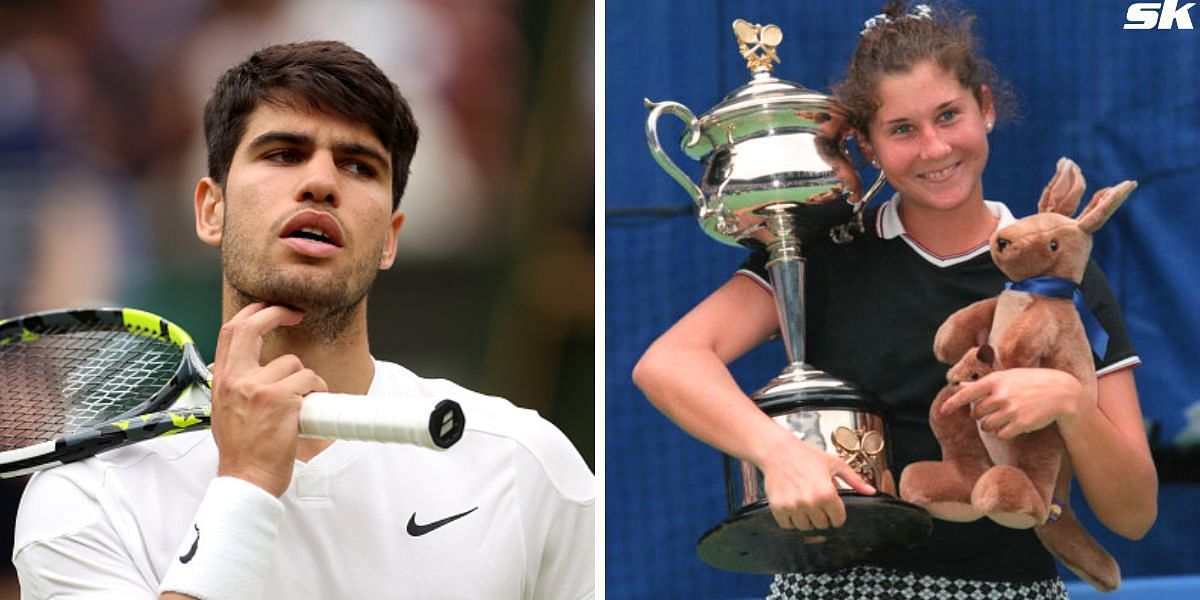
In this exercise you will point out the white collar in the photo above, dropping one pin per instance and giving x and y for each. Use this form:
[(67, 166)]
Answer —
[(888, 226)]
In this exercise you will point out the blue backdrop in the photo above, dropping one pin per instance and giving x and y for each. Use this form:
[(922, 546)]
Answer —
[(1122, 103)]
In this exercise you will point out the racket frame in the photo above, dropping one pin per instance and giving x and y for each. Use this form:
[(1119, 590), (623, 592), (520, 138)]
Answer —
[(158, 416)]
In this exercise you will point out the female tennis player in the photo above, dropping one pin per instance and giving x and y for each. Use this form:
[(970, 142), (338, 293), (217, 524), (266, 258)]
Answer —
[(923, 101)]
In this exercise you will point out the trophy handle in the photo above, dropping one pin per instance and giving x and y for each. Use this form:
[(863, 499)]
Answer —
[(871, 191), (664, 161), (843, 233)]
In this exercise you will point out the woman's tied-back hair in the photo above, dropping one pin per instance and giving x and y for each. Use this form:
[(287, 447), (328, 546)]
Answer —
[(322, 76), (897, 40)]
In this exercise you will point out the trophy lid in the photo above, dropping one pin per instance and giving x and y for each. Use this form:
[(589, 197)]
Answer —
[(764, 104), (763, 91), (757, 44)]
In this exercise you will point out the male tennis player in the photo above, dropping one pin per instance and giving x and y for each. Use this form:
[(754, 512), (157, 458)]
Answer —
[(309, 148)]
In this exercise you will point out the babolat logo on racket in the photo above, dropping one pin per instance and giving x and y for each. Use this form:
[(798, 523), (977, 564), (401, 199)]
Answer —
[(1159, 15)]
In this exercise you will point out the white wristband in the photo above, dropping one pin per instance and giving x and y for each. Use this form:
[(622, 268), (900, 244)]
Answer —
[(227, 550)]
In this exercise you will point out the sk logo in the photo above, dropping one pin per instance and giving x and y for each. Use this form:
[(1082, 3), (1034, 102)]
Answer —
[(1163, 15)]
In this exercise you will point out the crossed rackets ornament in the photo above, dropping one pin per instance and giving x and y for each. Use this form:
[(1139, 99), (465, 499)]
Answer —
[(859, 449), (757, 43)]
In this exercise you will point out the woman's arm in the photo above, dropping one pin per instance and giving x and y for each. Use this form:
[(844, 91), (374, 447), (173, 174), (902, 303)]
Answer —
[(1111, 456), (684, 374), (1106, 440)]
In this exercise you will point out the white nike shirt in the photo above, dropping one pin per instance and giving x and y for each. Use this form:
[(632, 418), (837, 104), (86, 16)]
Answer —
[(111, 526)]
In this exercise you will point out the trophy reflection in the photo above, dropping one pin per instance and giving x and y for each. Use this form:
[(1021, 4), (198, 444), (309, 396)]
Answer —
[(777, 174)]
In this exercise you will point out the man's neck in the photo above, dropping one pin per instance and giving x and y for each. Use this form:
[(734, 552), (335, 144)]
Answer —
[(341, 357), (345, 362)]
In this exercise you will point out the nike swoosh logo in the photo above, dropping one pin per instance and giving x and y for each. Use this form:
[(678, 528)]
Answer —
[(417, 530), (187, 558)]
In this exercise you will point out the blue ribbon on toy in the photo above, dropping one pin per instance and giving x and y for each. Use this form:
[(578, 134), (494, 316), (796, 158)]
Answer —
[(1057, 287)]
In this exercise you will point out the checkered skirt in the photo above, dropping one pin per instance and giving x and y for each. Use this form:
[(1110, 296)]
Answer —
[(874, 583)]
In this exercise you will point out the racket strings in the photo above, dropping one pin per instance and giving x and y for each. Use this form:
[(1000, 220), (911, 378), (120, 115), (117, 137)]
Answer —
[(66, 380)]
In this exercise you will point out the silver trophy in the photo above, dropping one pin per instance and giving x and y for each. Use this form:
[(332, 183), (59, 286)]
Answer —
[(777, 173)]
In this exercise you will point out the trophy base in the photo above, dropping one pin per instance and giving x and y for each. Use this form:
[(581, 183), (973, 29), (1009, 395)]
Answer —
[(750, 541), (844, 421)]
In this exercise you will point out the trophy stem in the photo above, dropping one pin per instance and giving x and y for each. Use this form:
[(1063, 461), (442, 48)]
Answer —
[(757, 188), (786, 268)]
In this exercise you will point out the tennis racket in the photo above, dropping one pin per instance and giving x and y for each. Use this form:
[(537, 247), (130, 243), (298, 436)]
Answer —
[(74, 383)]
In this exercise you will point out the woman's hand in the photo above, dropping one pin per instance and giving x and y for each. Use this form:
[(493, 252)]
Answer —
[(1015, 401), (800, 484)]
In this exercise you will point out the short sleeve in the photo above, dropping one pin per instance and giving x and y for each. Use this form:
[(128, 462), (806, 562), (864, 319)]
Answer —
[(67, 548), (556, 499), (568, 561), (1098, 296), (755, 267), (559, 512)]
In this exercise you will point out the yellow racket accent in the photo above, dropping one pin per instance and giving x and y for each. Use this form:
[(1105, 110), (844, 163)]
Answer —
[(184, 420), (144, 323)]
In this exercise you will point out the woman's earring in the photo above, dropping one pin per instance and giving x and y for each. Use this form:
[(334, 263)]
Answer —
[(875, 163), (989, 126)]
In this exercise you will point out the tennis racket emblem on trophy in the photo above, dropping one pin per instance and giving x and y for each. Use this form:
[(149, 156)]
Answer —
[(777, 174)]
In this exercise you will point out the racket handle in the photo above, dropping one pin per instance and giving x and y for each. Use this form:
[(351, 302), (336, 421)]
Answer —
[(379, 419)]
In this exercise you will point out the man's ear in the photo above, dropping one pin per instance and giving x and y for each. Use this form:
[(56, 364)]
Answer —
[(389, 244), (210, 211)]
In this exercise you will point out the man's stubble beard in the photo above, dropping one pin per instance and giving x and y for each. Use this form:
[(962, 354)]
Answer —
[(330, 301)]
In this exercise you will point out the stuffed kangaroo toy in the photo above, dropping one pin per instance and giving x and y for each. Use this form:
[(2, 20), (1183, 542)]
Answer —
[(1034, 323), (944, 488)]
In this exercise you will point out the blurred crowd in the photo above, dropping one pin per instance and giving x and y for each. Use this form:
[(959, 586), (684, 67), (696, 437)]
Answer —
[(101, 146)]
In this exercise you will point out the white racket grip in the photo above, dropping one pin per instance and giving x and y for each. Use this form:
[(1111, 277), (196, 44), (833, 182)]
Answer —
[(427, 423)]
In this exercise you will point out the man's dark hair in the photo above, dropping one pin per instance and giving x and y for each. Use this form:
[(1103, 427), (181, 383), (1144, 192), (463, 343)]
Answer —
[(323, 76)]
